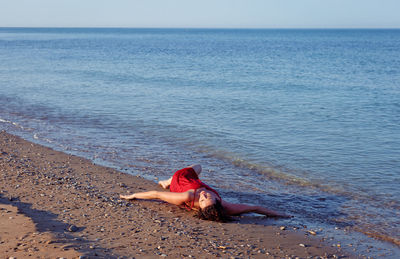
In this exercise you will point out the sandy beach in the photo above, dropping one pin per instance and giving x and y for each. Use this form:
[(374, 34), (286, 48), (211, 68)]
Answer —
[(53, 205)]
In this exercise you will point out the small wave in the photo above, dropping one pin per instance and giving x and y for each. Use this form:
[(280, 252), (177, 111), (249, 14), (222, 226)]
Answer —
[(270, 172), (49, 140), (5, 121), (36, 136), (13, 123), (18, 125), (277, 173), (379, 236)]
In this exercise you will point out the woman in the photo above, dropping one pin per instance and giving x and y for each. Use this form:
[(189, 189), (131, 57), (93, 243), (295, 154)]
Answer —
[(187, 189)]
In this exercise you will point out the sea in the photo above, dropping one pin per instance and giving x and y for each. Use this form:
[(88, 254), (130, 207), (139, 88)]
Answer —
[(302, 121)]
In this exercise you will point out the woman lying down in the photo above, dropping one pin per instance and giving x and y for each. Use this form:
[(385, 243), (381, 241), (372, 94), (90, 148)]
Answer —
[(188, 190)]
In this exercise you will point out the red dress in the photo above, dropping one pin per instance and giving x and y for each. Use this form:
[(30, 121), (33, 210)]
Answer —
[(187, 179)]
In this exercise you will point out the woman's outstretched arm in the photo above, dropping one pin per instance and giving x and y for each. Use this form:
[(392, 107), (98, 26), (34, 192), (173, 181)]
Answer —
[(177, 198), (233, 209)]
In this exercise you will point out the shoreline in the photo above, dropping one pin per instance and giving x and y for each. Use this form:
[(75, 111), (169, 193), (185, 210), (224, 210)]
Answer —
[(74, 204)]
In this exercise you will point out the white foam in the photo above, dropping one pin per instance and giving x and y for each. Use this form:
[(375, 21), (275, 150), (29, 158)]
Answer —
[(13, 123), (5, 121), (48, 140)]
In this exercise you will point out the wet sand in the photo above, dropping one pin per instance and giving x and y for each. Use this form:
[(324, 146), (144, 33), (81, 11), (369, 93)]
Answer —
[(53, 204)]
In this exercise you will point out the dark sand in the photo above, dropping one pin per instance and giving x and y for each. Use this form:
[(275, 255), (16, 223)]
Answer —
[(57, 205)]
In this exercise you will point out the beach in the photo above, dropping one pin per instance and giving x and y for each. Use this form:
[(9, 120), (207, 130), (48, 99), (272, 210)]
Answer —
[(304, 121), (53, 204)]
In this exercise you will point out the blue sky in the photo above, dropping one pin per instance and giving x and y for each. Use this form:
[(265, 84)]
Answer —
[(201, 13)]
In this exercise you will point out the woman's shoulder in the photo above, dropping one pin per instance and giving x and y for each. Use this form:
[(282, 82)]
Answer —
[(188, 195)]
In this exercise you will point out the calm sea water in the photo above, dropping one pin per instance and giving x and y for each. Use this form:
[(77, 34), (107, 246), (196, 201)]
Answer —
[(303, 121)]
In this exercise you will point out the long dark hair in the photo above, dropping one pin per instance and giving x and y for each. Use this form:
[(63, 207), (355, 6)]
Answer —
[(213, 212)]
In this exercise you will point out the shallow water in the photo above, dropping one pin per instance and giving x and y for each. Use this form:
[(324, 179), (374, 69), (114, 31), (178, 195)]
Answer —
[(305, 121)]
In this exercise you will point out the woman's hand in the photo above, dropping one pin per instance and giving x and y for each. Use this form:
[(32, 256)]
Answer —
[(127, 197), (279, 215)]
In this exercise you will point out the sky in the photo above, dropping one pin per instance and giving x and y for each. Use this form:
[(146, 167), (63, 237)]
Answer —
[(201, 13)]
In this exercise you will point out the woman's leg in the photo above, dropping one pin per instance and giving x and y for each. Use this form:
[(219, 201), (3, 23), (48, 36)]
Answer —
[(166, 183), (196, 168)]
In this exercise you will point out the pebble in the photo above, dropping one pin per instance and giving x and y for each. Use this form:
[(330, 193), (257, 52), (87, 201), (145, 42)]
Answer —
[(72, 228)]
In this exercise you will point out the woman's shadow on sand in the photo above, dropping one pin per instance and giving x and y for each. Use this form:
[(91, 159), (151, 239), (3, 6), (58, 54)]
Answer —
[(47, 222)]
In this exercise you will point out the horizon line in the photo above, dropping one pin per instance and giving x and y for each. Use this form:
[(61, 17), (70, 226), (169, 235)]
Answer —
[(203, 28)]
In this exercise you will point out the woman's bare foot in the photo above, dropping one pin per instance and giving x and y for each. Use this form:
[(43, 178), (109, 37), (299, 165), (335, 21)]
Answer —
[(165, 183)]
